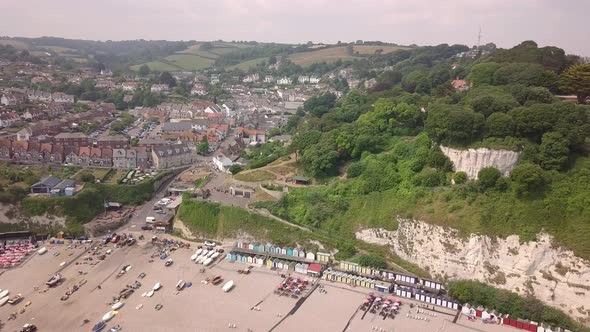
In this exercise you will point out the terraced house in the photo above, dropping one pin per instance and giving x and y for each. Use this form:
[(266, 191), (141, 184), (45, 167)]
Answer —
[(170, 156)]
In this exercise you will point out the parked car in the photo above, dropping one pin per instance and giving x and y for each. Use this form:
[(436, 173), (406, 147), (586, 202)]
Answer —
[(147, 227)]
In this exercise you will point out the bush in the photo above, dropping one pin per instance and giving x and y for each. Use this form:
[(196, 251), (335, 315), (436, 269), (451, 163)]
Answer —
[(528, 179), (372, 260), (487, 177), (506, 302), (460, 177)]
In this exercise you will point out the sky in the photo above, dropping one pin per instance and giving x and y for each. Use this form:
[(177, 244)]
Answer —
[(561, 23)]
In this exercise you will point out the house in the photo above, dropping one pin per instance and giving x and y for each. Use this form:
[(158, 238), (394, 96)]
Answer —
[(104, 84), (460, 85), (314, 80), (169, 156), (240, 191), (141, 157), (70, 156), (125, 159), (13, 98), (303, 79), (71, 139), (24, 134), (65, 187), (20, 150), (222, 162), (83, 156), (159, 88), (113, 142), (251, 136), (176, 127), (45, 185), (59, 97), (5, 149), (32, 115), (284, 81), (36, 95), (52, 153), (199, 90), (129, 86), (7, 119), (251, 78), (101, 157), (268, 79)]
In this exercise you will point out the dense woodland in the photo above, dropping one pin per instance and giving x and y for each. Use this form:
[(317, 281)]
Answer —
[(377, 156)]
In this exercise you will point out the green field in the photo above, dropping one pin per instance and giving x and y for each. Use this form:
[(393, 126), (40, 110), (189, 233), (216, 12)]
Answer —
[(247, 64), (189, 61), (370, 49), (156, 66), (328, 55)]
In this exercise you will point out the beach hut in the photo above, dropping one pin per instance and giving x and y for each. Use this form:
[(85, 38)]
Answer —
[(285, 266), (258, 260), (245, 245), (250, 246), (295, 252), (301, 254), (323, 257), (439, 302), (284, 251), (238, 257), (278, 250), (289, 252), (268, 248), (250, 260), (280, 265), (269, 263), (239, 244), (309, 256)]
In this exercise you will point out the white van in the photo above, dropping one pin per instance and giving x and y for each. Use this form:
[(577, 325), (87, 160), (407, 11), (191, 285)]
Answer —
[(150, 220)]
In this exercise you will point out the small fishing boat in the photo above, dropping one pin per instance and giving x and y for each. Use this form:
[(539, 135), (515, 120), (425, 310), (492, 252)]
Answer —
[(228, 286), (216, 280), (53, 281), (150, 293), (199, 251), (128, 268), (4, 293), (42, 251), (157, 286), (180, 285), (210, 253), (144, 294), (99, 326), (4, 300), (200, 259), (16, 299), (168, 262), (109, 315), (204, 253), (193, 257), (215, 255), (117, 305), (139, 306), (208, 261), (62, 264)]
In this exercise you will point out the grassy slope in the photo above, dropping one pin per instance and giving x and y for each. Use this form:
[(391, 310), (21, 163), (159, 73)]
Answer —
[(189, 61), (563, 211), (370, 49), (328, 55), (247, 64)]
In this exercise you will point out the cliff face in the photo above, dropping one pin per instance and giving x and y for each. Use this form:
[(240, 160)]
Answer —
[(471, 161), (553, 275)]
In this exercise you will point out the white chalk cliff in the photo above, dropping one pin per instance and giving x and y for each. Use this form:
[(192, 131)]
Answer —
[(552, 274), (471, 161)]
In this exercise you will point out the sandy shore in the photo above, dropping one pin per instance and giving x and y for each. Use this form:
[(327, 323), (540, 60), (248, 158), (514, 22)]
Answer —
[(198, 308)]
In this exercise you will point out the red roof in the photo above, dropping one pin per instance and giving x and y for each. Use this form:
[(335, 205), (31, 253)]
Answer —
[(315, 267)]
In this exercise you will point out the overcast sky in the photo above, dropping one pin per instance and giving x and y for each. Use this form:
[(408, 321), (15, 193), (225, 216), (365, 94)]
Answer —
[(561, 23)]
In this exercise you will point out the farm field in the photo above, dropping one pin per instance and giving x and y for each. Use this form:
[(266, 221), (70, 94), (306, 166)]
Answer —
[(329, 55), (370, 49), (16, 43), (189, 61), (247, 64)]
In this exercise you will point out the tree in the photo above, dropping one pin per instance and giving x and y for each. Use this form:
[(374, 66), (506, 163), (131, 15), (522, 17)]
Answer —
[(88, 178), (235, 169), (483, 73), (527, 178), (553, 151), (167, 78), (460, 177), (144, 70), (487, 177), (576, 80), (319, 105), (499, 125), (203, 146)]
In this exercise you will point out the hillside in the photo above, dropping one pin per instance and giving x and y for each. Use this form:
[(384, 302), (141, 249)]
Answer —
[(343, 53)]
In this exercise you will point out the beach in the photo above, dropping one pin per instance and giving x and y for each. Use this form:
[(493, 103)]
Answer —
[(251, 305)]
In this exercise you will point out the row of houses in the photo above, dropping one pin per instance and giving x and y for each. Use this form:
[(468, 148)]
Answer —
[(18, 97), (83, 156)]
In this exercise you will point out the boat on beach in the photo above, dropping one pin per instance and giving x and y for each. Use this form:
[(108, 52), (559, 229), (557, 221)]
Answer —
[(157, 286), (228, 286), (42, 251), (150, 293), (54, 280), (168, 262), (99, 326), (117, 305), (3, 300), (199, 251), (180, 285), (193, 257), (215, 255), (109, 315), (208, 261)]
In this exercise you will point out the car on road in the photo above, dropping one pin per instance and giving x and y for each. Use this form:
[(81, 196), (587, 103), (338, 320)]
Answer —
[(147, 228)]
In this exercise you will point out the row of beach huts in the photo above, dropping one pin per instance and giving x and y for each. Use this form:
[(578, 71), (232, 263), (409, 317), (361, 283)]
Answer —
[(492, 316)]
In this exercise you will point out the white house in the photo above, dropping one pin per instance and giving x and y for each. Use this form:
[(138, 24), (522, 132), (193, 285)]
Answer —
[(314, 80), (303, 79), (222, 162), (284, 81), (159, 88)]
